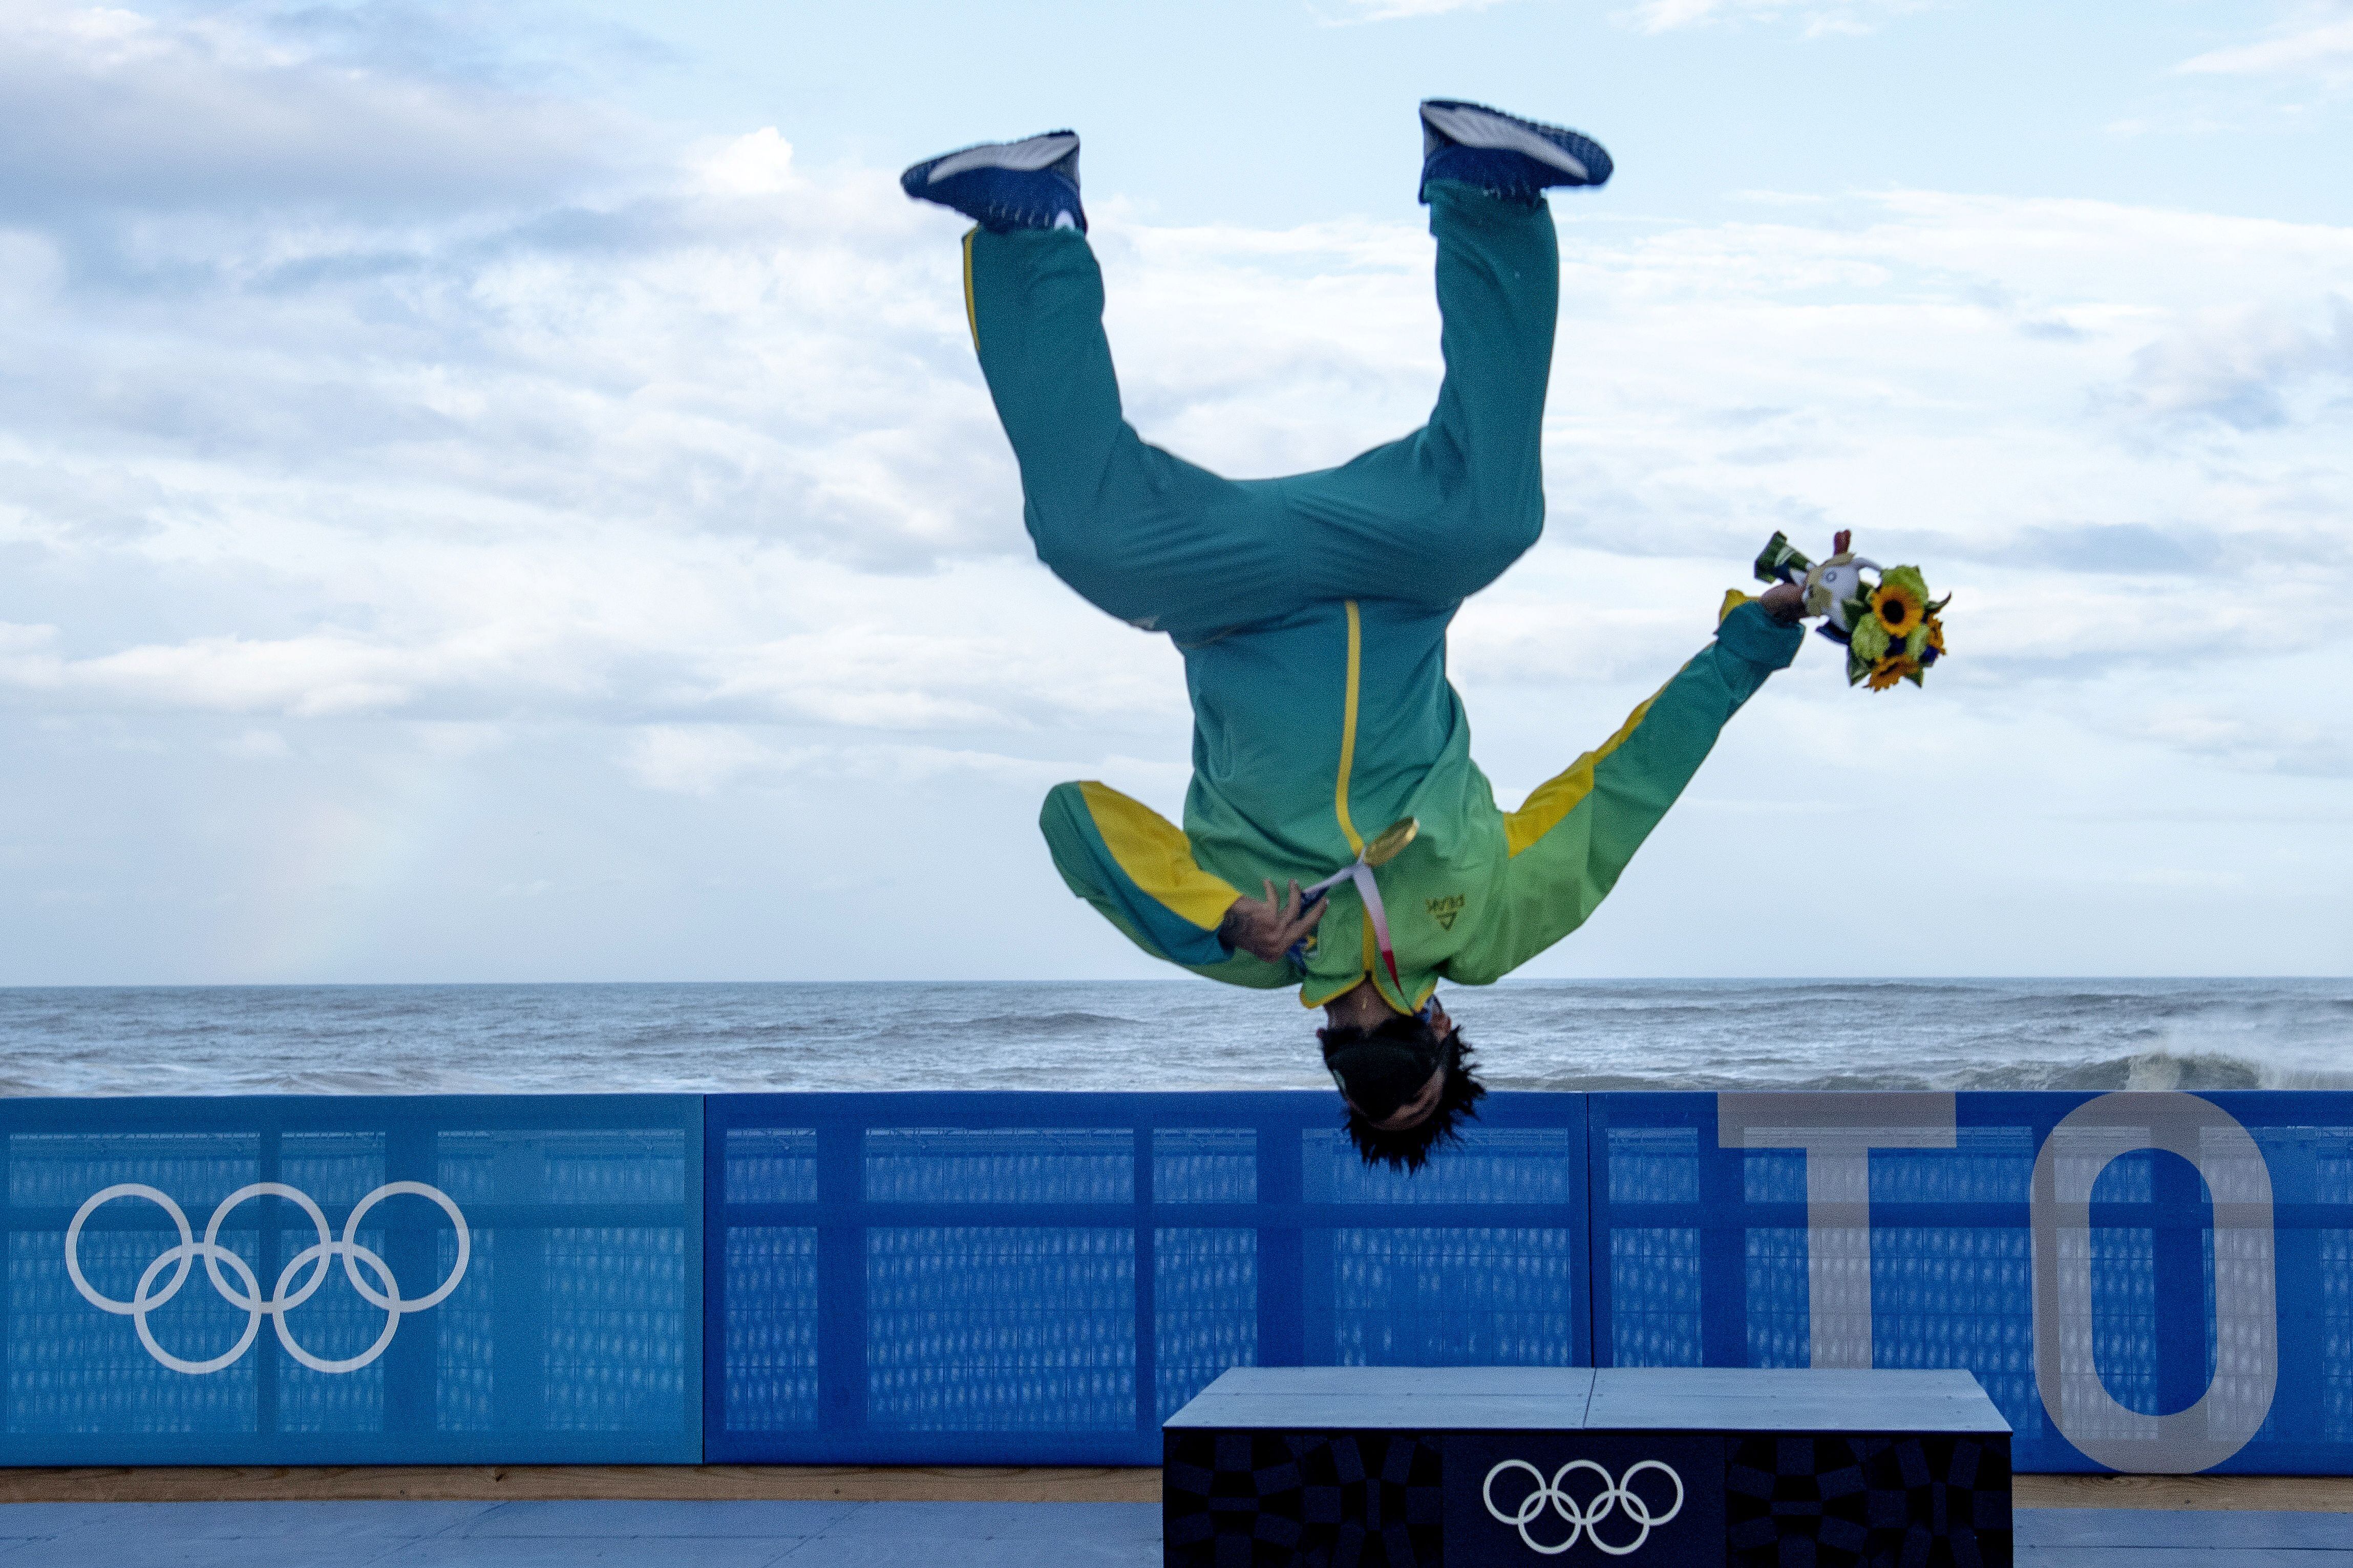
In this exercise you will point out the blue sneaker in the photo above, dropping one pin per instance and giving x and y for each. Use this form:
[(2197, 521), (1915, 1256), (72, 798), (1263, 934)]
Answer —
[(1504, 156), (1005, 185)]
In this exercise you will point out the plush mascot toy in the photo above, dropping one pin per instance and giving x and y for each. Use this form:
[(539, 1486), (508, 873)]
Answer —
[(1890, 627)]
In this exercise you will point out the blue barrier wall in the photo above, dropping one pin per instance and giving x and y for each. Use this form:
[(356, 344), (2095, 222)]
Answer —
[(2152, 1282), (1042, 1278), (521, 1284)]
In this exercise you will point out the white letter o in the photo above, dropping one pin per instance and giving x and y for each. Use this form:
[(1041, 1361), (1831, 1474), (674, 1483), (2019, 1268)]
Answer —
[(2246, 1313)]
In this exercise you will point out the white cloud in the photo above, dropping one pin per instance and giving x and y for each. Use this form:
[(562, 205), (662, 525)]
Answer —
[(2249, 365), (760, 164), (2317, 42), (108, 108), (1813, 16), (698, 759), (258, 745), (705, 759)]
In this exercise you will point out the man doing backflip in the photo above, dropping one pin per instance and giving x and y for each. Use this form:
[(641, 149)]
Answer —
[(1312, 613)]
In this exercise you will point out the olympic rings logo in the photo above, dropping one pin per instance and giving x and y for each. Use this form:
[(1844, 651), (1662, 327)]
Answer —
[(1584, 1520), (317, 1256)]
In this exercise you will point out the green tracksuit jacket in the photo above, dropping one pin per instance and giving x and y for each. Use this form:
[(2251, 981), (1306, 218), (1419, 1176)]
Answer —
[(1312, 613)]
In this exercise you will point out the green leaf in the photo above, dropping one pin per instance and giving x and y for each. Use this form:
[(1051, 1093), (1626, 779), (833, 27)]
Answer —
[(1906, 577), (1866, 637)]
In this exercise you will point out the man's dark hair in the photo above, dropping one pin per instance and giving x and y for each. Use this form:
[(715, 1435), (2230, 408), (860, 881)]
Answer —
[(1409, 1149)]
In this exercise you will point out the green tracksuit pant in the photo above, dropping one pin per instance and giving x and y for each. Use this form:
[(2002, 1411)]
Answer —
[(1172, 547)]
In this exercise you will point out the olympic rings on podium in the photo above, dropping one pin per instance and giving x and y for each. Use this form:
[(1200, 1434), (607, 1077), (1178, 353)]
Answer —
[(1584, 1518)]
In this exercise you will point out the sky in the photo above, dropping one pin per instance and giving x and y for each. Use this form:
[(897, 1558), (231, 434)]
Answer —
[(504, 494)]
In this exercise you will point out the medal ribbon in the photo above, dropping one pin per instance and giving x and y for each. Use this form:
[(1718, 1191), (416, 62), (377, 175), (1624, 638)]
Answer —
[(1360, 873)]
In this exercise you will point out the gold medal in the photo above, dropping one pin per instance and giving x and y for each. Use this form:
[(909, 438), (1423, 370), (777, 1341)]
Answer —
[(1391, 841)]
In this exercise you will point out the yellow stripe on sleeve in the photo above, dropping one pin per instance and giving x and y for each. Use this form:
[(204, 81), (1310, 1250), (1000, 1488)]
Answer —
[(1156, 856), (1557, 796)]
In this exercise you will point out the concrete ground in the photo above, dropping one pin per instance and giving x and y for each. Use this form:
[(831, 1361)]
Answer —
[(921, 1534)]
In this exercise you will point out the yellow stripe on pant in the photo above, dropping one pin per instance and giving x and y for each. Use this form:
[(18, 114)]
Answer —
[(971, 308)]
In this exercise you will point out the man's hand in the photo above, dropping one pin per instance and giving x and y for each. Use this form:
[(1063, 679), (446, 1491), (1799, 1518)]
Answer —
[(1265, 929), (1785, 602)]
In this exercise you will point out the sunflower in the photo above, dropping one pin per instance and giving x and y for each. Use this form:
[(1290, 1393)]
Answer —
[(1895, 667), (1897, 606), (1928, 640)]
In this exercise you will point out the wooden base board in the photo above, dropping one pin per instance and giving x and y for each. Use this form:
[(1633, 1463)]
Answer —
[(2287, 1494), (867, 1483)]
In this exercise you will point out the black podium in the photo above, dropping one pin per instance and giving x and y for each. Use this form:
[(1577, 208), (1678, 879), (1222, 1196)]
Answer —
[(1469, 1466)]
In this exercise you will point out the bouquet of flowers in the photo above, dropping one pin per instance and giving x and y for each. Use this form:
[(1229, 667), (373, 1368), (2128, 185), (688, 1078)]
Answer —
[(1889, 628)]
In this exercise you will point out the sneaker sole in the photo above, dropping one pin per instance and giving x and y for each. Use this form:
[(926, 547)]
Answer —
[(1481, 128), (1021, 157)]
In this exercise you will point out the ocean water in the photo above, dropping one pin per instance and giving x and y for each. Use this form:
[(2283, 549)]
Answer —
[(1178, 1033)]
